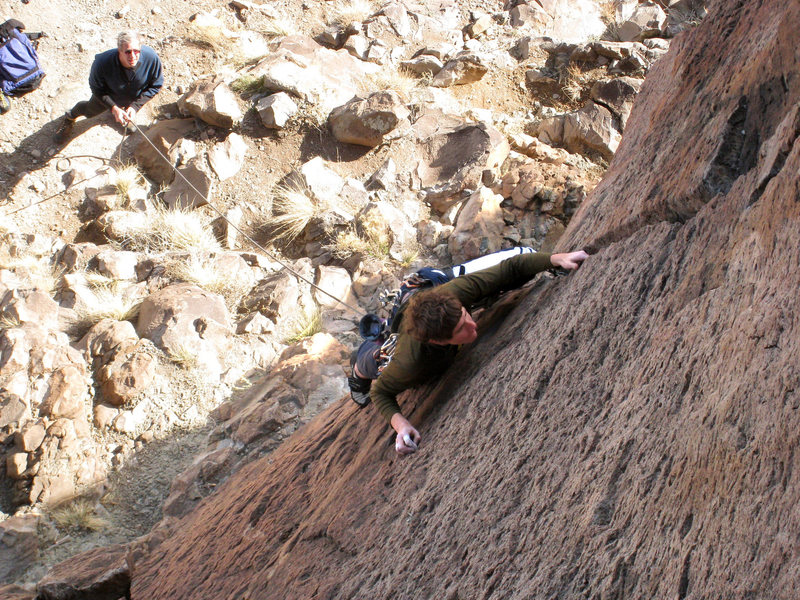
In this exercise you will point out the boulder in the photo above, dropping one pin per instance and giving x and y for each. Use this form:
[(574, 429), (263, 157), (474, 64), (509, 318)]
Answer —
[(30, 306), (182, 195), (30, 437), (275, 110), (165, 136), (563, 20), (100, 200), (226, 229), (365, 121), (105, 339), (67, 393), (76, 256), (226, 158), (255, 324), (357, 45), (422, 65), (592, 127), (116, 264), (301, 67), (52, 490), (338, 285), (183, 318), (127, 374), (617, 95), (530, 146), (646, 21), (103, 415), (323, 183), (479, 227), (466, 67), (15, 350), (50, 350), (19, 546), (452, 156), (276, 296), (384, 178), (16, 465), (211, 101), (383, 220), (14, 409)]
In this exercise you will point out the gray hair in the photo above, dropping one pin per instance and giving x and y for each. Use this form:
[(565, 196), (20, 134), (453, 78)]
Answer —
[(128, 37)]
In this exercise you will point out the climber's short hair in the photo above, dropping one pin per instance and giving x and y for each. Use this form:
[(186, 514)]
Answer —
[(432, 315)]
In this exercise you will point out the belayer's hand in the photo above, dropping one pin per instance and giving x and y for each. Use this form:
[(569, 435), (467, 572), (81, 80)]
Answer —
[(569, 260)]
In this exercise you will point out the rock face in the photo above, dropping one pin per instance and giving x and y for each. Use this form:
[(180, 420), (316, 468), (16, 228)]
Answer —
[(630, 431)]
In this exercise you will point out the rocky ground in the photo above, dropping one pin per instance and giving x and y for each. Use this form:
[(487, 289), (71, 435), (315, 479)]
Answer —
[(498, 148)]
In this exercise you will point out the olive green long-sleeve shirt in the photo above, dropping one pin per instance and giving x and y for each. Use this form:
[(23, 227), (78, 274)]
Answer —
[(414, 362)]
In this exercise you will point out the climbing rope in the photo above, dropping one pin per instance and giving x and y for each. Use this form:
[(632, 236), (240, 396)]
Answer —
[(242, 233)]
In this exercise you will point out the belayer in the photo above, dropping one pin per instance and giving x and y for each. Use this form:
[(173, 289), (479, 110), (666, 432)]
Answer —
[(122, 80), (428, 329)]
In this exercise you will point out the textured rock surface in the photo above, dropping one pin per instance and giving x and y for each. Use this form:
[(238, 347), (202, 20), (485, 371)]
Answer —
[(99, 574)]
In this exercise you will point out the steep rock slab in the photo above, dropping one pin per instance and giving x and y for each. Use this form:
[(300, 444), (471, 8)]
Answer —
[(629, 432)]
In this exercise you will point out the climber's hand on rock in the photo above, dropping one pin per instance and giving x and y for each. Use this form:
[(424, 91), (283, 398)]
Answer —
[(569, 260)]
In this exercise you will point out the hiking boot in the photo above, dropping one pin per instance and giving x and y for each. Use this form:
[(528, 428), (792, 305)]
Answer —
[(64, 132), (5, 104)]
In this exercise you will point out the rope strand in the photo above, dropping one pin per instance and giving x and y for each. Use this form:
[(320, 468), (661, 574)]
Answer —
[(242, 233)]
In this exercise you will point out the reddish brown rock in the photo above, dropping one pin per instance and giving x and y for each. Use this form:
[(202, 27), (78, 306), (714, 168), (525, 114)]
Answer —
[(99, 574), (365, 121), (66, 394)]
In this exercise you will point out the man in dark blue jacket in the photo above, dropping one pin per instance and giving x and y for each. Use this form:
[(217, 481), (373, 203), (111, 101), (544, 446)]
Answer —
[(122, 80)]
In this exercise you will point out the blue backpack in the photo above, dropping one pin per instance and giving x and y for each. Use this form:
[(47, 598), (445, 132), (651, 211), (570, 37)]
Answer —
[(20, 71)]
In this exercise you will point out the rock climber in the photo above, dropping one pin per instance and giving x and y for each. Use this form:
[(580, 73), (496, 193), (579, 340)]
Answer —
[(430, 328)]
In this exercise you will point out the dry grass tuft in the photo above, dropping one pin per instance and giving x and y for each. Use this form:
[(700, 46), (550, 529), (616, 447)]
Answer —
[(210, 32), (355, 11), (184, 357), (127, 178), (106, 300), (79, 514), (36, 271), (403, 82), (8, 322), (278, 27), (306, 325), (247, 85), (292, 209), (608, 11), (166, 230), (209, 275)]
